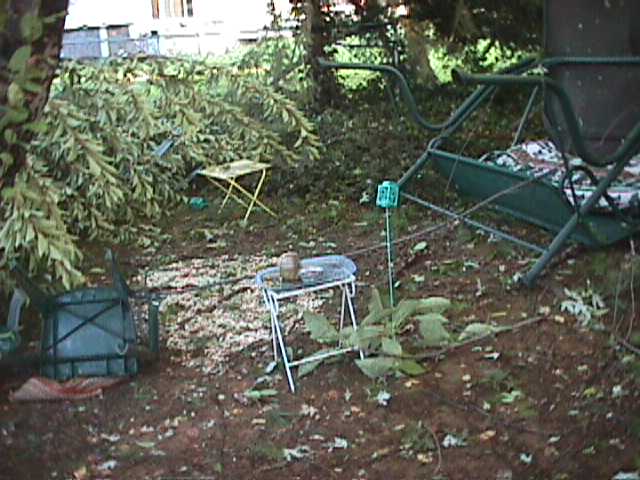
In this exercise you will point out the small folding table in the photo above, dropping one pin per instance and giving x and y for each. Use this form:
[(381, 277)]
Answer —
[(319, 273), (230, 173)]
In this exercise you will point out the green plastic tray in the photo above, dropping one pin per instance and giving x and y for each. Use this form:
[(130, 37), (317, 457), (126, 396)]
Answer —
[(538, 202), (89, 333)]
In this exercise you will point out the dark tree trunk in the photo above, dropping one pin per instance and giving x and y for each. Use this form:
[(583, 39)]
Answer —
[(317, 36), (33, 85)]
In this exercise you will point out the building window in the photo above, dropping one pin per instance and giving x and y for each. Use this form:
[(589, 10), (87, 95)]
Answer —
[(172, 8)]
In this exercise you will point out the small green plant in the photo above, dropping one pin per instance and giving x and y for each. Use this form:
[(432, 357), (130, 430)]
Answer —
[(417, 439), (380, 333)]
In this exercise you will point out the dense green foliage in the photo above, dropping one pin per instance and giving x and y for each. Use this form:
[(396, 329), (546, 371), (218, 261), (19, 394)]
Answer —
[(93, 171)]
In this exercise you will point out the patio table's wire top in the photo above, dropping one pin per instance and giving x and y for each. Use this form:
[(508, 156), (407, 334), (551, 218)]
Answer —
[(313, 272)]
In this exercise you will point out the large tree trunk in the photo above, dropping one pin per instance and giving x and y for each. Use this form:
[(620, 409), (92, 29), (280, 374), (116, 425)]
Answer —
[(35, 28), (317, 36), (418, 49)]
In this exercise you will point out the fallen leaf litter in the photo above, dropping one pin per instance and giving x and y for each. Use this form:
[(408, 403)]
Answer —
[(202, 331)]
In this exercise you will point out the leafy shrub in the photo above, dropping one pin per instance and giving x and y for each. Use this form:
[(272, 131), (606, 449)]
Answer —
[(359, 49), (485, 54), (93, 171)]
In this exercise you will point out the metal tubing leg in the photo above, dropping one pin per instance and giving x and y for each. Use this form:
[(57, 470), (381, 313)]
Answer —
[(342, 311), (562, 236), (256, 192), (283, 350), (273, 311), (226, 197), (530, 278), (251, 196), (350, 290), (486, 228)]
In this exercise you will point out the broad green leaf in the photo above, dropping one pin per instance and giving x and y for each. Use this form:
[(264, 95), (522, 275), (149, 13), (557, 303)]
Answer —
[(391, 347), (31, 27), (508, 398), (14, 116), (433, 305), (307, 368), (402, 312), (15, 95), (377, 316), (476, 330), (259, 394), (411, 367), (366, 337), (36, 127), (432, 330), (376, 367), (440, 318), (375, 302), (7, 160), (419, 247), (145, 444), (19, 59), (320, 328), (30, 86), (10, 136)]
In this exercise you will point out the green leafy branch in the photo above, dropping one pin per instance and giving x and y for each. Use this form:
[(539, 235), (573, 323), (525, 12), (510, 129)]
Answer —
[(385, 332)]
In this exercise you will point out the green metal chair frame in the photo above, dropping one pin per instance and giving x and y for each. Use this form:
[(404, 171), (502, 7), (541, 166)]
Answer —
[(10, 339), (88, 331), (570, 62)]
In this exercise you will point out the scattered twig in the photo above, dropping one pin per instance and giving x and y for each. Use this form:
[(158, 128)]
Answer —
[(435, 439), (235, 292), (495, 419), (505, 329), (626, 344), (616, 322), (631, 287)]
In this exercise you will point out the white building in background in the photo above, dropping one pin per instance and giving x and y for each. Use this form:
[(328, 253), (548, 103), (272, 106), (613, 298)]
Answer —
[(97, 28)]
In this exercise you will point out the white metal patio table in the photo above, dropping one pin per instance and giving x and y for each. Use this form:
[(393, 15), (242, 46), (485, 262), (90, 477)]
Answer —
[(316, 274)]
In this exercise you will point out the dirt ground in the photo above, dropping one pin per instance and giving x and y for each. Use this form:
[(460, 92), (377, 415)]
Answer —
[(551, 400)]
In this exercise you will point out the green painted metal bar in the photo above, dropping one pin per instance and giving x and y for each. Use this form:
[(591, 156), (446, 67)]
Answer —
[(389, 237), (554, 61), (154, 326), (468, 106), (418, 164), (473, 223), (629, 146), (562, 236), (525, 117)]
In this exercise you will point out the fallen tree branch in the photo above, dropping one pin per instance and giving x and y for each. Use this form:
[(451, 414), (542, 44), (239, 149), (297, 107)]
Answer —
[(450, 348)]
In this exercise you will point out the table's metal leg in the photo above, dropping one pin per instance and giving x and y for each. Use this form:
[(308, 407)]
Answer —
[(283, 348), (351, 293), (273, 314), (342, 312), (229, 190), (226, 197), (255, 194), (251, 196)]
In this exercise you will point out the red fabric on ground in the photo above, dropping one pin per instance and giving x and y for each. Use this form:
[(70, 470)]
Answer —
[(40, 388)]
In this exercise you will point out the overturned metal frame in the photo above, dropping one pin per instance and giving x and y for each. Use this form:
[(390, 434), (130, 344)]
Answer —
[(89, 331), (546, 206)]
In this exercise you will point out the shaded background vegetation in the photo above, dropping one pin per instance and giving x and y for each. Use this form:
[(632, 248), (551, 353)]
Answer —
[(69, 174)]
